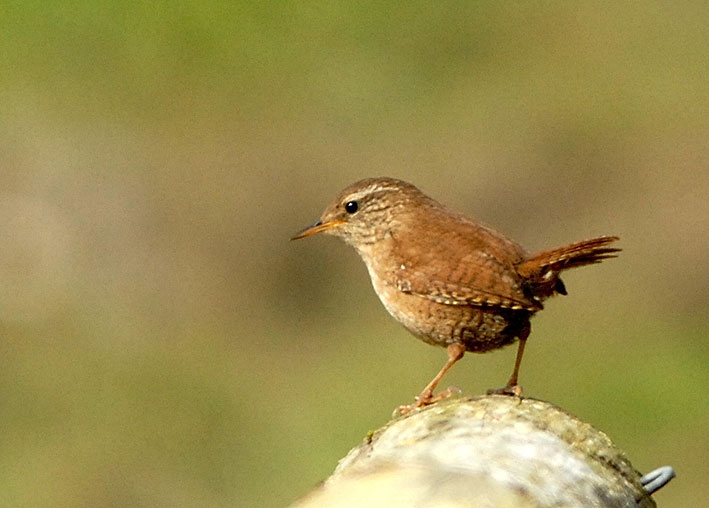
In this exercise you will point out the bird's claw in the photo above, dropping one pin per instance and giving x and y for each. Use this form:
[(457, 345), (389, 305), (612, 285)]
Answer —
[(426, 399), (513, 390)]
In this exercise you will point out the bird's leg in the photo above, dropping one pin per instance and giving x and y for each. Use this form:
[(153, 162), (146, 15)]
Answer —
[(512, 388), (455, 353)]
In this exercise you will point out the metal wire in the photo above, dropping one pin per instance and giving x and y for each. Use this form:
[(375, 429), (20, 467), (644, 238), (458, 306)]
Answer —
[(655, 480)]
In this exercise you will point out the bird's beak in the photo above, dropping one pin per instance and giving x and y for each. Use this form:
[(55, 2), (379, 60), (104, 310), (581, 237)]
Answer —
[(316, 228)]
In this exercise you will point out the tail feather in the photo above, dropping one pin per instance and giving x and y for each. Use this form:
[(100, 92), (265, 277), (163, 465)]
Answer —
[(542, 270), (582, 253)]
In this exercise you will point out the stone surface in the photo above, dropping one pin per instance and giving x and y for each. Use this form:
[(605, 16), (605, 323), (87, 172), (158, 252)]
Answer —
[(485, 451)]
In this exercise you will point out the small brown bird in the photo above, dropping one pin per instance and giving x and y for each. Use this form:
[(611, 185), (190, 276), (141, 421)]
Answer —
[(448, 279)]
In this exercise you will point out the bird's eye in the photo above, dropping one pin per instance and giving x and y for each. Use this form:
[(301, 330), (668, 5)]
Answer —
[(351, 206)]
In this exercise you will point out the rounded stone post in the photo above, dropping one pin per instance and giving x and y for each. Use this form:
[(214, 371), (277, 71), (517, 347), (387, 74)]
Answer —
[(492, 451)]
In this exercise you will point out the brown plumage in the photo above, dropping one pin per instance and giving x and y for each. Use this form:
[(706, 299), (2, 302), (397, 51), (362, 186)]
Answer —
[(448, 279)]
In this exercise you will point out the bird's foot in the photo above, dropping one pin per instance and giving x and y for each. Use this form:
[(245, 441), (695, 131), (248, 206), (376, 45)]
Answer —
[(514, 390), (426, 398)]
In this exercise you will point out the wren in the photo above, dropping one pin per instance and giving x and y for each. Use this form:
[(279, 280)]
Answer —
[(451, 281)]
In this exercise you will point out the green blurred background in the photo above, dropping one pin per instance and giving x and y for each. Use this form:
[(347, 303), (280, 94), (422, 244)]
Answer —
[(164, 344)]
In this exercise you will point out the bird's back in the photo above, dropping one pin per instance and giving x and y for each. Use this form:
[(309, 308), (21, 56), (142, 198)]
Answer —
[(452, 259)]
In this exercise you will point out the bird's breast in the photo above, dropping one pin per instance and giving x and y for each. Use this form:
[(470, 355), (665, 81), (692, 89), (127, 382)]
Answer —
[(478, 328)]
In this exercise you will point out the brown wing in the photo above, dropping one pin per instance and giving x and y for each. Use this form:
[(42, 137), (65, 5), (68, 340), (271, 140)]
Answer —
[(468, 264)]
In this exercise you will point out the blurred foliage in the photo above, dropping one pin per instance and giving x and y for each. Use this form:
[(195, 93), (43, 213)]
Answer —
[(163, 344)]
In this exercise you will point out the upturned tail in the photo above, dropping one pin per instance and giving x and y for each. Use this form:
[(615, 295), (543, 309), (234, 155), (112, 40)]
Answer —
[(541, 271)]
